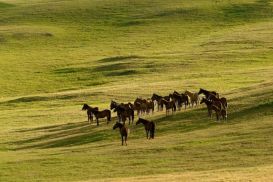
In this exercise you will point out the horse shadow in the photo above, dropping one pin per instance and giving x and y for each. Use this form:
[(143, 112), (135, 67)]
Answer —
[(64, 135)]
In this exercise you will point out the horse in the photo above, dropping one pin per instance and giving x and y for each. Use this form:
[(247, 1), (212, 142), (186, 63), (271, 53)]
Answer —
[(169, 105), (180, 99), (157, 98), (140, 105), (217, 106), (102, 114), (150, 106), (124, 113), (208, 93), (193, 97), (149, 127), (89, 111), (124, 132), (223, 100), (208, 104), (117, 108)]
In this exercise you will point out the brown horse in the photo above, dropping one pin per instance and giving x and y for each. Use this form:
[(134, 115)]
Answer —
[(217, 106), (124, 113), (124, 132), (121, 108), (180, 99), (223, 100), (157, 98), (89, 111), (193, 97), (169, 105), (149, 127), (208, 104), (102, 114)]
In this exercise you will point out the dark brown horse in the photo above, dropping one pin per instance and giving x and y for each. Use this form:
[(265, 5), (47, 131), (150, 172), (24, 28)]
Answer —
[(169, 105), (157, 98), (149, 127), (102, 114), (124, 132), (121, 108), (89, 111), (217, 106), (124, 113), (223, 100), (208, 93), (180, 99), (208, 104)]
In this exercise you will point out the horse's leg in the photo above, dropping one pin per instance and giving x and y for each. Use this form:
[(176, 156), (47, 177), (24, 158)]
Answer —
[(121, 140), (126, 140), (147, 132), (97, 121)]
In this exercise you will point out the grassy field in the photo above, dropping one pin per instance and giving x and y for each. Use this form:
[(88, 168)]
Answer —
[(57, 55)]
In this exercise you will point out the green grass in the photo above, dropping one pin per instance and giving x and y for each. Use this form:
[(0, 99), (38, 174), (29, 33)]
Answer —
[(57, 55)]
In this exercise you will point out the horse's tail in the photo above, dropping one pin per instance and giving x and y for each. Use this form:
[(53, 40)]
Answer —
[(153, 130)]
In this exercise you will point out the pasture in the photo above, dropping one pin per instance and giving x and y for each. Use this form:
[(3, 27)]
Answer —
[(57, 55)]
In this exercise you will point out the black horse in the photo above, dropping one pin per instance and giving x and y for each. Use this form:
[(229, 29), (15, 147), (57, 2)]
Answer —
[(149, 127), (124, 132), (89, 111)]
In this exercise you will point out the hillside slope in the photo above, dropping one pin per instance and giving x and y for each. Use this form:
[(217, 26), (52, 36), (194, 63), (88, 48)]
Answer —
[(57, 55)]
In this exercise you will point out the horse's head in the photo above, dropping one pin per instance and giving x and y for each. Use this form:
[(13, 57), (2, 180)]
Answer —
[(117, 125), (138, 121), (200, 91), (85, 107), (153, 97), (113, 104)]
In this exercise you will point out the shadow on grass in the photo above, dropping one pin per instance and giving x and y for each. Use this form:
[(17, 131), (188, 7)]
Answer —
[(119, 58), (249, 11), (66, 135)]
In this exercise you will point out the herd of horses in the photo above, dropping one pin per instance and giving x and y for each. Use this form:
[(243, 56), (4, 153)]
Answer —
[(172, 103)]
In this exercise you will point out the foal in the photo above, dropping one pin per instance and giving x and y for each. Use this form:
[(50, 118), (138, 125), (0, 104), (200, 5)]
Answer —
[(124, 132), (149, 127)]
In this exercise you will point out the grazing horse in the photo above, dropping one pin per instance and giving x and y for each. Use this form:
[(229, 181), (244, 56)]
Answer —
[(149, 127), (124, 132), (89, 111), (124, 113), (208, 93), (169, 105), (193, 97), (102, 114)]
